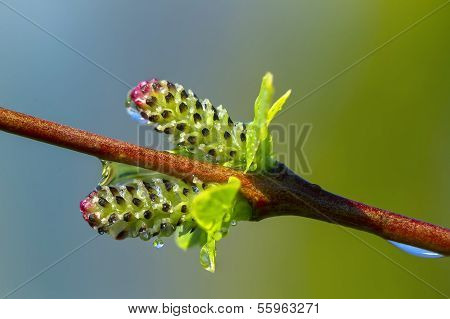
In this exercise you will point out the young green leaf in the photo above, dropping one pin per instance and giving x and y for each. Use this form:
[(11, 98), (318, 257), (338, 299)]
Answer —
[(277, 106), (214, 210), (117, 173), (259, 142), (187, 237), (214, 206), (255, 128)]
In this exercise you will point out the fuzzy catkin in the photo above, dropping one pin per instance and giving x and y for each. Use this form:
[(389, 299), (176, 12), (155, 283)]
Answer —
[(194, 125), (143, 208)]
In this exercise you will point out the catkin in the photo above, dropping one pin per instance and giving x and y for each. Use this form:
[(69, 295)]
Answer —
[(142, 208), (195, 125)]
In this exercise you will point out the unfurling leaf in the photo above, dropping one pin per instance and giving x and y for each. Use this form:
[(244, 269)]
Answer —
[(214, 211), (259, 152)]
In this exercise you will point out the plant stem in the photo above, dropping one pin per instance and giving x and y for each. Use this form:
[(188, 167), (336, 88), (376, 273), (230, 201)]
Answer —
[(277, 193), (122, 152)]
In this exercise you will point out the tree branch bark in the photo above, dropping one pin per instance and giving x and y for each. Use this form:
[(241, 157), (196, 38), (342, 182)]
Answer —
[(279, 192)]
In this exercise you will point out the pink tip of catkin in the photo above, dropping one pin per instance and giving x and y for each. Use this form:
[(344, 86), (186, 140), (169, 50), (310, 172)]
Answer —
[(144, 87), (140, 92), (154, 83), (135, 94), (86, 205)]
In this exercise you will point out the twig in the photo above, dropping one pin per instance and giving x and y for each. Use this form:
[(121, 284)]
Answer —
[(281, 192)]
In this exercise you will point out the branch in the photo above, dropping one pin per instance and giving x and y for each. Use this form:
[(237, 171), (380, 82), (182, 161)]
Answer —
[(279, 192)]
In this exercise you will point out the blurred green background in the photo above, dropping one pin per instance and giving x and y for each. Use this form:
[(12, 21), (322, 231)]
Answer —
[(380, 135)]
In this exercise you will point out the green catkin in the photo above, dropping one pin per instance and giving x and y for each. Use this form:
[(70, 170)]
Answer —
[(143, 208), (194, 125)]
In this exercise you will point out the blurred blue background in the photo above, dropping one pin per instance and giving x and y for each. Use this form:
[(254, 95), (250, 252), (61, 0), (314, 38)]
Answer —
[(380, 135)]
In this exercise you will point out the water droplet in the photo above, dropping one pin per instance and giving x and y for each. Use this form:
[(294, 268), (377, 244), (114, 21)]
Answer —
[(167, 229), (233, 222), (158, 243), (205, 259), (144, 235), (416, 251), (135, 115), (218, 235)]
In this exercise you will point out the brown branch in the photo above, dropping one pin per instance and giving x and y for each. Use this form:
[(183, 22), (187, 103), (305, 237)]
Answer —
[(277, 193)]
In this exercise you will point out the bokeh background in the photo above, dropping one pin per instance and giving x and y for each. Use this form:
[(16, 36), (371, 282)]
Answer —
[(380, 135)]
